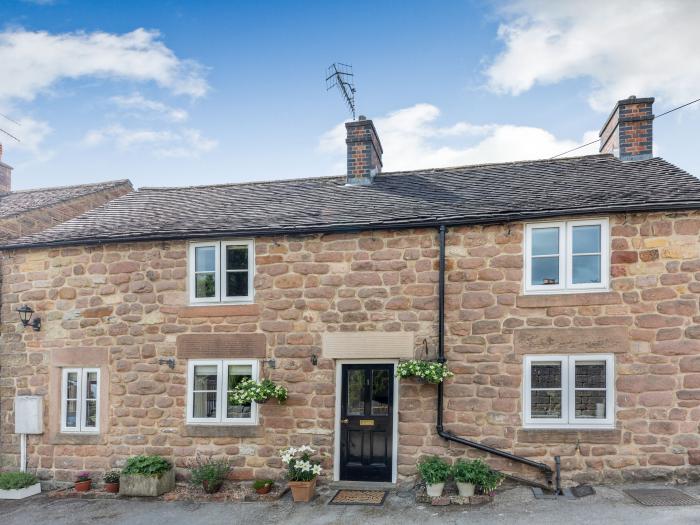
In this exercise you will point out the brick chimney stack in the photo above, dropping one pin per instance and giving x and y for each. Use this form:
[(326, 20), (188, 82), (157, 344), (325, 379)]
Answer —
[(5, 175), (628, 131), (364, 152)]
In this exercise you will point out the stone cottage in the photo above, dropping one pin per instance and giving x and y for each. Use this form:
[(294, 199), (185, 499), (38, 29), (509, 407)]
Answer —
[(562, 294)]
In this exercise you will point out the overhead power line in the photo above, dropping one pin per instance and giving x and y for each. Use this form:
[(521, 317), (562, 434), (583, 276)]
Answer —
[(656, 117)]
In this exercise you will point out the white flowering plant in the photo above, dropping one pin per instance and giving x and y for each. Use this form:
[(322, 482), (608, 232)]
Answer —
[(300, 466), (430, 371), (248, 391)]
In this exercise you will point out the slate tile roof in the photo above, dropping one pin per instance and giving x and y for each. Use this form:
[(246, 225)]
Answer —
[(460, 195), (17, 202)]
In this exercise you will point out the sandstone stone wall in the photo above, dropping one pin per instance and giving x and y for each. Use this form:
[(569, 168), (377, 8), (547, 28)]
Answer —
[(128, 302)]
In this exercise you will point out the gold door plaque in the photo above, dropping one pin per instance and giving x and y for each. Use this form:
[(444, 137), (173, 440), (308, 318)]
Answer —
[(366, 422)]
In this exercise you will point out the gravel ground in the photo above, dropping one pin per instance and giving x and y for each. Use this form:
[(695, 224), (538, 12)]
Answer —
[(609, 506)]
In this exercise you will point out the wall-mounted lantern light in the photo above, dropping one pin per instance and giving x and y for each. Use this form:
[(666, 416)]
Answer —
[(25, 315)]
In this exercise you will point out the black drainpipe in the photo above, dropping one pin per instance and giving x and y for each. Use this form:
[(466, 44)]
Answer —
[(544, 468)]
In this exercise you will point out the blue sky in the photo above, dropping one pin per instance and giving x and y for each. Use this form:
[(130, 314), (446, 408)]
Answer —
[(179, 93)]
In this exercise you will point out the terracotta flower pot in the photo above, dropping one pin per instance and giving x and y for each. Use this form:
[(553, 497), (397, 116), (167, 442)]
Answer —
[(264, 490), (210, 487), (302, 491), (83, 486), (112, 487)]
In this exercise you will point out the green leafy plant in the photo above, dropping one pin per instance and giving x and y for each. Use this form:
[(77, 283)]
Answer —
[(111, 477), (430, 371), (262, 483), (300, 466), (83, 476), (473, 472), (491, 481), (434, 470), (146, 466), (248, 391), (16, 480)]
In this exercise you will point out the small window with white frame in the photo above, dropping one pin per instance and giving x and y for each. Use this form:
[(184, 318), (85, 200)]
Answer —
[(575, 391), (210, 383), (80, 400), (221, 271), (571, 256)]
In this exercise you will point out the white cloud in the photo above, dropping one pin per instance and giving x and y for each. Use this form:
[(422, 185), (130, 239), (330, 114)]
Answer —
[(626, 47), (33, 61), (30, 132), (411, 140), (139, 103), (186, 143)]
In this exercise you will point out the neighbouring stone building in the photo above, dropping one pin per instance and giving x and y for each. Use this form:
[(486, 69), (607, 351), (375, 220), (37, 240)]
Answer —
[(571, 324)]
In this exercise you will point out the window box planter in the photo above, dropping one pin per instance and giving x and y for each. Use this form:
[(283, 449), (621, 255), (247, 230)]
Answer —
[(143, 485), (26, 492)]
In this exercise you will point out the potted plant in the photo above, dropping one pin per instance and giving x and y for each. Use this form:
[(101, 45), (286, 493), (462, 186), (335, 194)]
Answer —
[(301, 472), (146, 476), (83, 481), (111, 480), (18, 485), (210, 474), (263, 486), (428, 371), (490, 482), (469, 474), (434, 471), (248, 391)]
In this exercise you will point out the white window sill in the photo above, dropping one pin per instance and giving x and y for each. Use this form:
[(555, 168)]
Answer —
[(566, 291), (219, 424), (569, 427)]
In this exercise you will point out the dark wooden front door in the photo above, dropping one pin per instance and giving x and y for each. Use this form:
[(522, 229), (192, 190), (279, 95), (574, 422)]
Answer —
[(366, 422)]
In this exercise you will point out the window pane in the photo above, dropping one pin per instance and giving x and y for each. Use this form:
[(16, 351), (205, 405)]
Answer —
[(204, 404), (545, 270), (91, 413), (545, 403), (91, 385), (586, 239), (236, 257), (586, 269), (380, 392), (72, 385), (236, 284), (590, 404), (205, 285), (545, 375), (545, 241), (205, 377), (71, 414), (590, 374), (356, 393), (205, 259), (236, 374)]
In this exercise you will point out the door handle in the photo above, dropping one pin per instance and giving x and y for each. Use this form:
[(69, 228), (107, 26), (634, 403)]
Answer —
[(345, 421)]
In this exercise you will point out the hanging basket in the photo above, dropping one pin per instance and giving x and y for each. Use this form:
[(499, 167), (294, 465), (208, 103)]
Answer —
[(432, 372)]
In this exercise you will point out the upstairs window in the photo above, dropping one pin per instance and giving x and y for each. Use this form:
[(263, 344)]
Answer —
[(221, 271), (80, 404), (567, 256), (569, 391)]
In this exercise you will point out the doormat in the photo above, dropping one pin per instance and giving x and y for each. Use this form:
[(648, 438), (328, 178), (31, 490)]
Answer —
[(662, 497), (358, 497)]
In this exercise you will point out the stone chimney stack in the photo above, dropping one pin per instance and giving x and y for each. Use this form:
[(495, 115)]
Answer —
[(364, 152), (5, 175), (628, 131)]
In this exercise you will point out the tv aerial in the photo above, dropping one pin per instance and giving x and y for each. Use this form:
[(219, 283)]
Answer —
[(341, 76), (7, 132)]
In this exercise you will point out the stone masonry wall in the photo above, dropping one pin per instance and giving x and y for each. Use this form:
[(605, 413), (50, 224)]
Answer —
[(129, 303)]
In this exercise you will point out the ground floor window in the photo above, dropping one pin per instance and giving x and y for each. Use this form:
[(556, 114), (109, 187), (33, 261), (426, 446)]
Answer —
[(569, 391), (209, 386), (80, 404)]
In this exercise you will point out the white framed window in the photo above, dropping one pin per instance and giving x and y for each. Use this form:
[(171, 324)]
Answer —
[(80, 400), (209, 385), (575, 391), (567, 256), (221, 271)]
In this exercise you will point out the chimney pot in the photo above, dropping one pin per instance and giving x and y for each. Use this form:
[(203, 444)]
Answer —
[(364, 152), (628, 131)]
